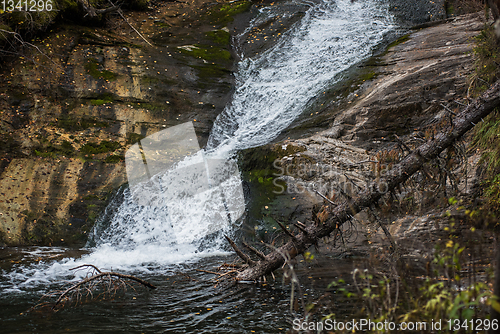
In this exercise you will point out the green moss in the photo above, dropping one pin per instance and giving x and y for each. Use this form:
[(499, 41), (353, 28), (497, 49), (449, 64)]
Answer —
[(91, 197), (103, 147), (450, 10), (222, 14), (98, 102), (162, 24), (102, 99), (368, 76), (492, 193), (400, 40), (487, 138), (261, 158), (219, 36), (149, 80), (113, 159), (92, 212), (43, 232), (210, 72), (133, 138), (92, 66), (53, 151), (74, 124), (487, 71), (153, 107), (207, 52)]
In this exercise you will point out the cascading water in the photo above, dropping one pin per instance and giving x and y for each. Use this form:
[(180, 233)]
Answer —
[(272, 89)]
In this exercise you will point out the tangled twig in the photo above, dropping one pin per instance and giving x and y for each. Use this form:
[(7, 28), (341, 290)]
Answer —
[(96, 279)]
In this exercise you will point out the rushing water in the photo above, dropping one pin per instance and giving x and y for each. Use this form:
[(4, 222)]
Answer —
[(163, 240)]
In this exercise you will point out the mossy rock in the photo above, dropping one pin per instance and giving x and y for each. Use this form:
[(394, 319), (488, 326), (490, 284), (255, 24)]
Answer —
[(53, 151), (223, 14), (207, 52), (133, 138), (103, 147), (93, 69), (219, 36), (74, 124), (210, 73)]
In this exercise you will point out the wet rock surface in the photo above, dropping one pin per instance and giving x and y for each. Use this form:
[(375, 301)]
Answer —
[(414, 12), (72, 107), (415, 86)]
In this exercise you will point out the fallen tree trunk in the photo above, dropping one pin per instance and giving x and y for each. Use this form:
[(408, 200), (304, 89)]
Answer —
[(312, 233)]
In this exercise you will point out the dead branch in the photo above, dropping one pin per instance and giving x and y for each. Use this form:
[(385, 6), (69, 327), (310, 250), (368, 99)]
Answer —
[(99, 276), (301, 227), (242, 255), (386, 231), (130, 25), (87, 265), (208, 271), (261, 255), (286, 231), (463, 122), (111, 281)]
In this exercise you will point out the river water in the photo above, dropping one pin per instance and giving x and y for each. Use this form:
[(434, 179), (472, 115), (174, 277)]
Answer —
[(165, 240)]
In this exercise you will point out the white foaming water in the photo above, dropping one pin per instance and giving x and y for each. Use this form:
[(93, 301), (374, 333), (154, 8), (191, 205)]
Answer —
[(271, 91), (273, 88)]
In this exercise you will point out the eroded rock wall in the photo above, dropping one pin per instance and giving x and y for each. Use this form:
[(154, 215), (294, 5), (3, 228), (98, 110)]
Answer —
[(71, 106)]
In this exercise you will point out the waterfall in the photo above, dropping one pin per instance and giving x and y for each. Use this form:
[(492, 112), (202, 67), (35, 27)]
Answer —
[(178, 219), (272, 89)]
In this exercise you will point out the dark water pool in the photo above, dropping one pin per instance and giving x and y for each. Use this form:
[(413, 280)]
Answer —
[(186, 301)]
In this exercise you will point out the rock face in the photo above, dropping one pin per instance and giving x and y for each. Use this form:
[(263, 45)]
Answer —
[(414, 12), (71, 108), (417, 83)]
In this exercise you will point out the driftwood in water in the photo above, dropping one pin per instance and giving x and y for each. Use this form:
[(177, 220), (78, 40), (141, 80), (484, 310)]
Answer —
[(309, 235), (110, 282)]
